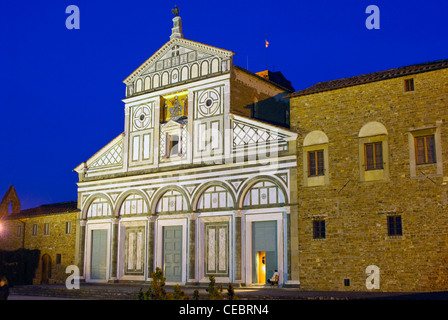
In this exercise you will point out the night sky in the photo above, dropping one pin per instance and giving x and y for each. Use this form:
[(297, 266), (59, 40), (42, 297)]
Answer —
[(61, 90)]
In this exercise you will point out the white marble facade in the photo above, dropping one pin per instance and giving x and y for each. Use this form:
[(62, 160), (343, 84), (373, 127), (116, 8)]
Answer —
[(182, 191)]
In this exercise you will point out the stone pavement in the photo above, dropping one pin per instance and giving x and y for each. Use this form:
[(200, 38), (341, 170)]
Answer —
[(130, 292)]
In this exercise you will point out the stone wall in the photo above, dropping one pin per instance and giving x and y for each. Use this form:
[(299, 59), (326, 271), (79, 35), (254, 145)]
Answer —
[(56, 242), (355, 206)]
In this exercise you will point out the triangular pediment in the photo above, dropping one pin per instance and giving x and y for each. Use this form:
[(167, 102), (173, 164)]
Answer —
[(177, 53), (173, 124)]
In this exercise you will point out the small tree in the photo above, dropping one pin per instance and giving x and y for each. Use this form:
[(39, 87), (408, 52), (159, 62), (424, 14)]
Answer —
[(196, 294), (156, 290), (214, 293), (179, 294), (231, 293)]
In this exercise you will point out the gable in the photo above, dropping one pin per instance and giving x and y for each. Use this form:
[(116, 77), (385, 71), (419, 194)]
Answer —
[(9, 197), (177, 61), (108, 158)]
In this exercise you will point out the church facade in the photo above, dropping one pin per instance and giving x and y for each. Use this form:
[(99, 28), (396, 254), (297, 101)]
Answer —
[(197, 184)]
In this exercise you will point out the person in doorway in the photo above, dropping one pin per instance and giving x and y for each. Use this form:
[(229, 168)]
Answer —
[(274, 279), (4, 289)]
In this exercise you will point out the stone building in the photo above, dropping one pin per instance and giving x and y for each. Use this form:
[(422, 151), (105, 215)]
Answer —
[(372, 180), (201, 182), (49, 228)]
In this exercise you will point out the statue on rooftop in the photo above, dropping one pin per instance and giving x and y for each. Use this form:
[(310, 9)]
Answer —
[(175, 11)]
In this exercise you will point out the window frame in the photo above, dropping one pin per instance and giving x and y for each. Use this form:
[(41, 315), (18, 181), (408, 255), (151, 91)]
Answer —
[(169, 145), (423, 170), (394, 226), (318, 164), (35, 229), (46, 229), (68, 227), (409, 85), (425, 146), (376, 165), (319, 229)]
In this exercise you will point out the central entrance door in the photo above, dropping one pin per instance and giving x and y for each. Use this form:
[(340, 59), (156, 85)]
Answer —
[(99, 255), (172, 253), (264, 250)]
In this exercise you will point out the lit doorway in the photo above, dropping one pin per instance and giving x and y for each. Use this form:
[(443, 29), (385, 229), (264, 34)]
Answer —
[(264, 251), (261, 267)]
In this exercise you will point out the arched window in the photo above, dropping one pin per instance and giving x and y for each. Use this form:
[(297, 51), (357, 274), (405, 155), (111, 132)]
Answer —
[(134, 204), (315, 159), (215, 197), (172, 201), (99, 207), (373, 152), (264, 193)]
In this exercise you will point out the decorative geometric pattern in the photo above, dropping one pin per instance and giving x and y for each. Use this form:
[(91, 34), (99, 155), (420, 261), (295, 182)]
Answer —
[(209, 103), (113, 156), (245, 134), (141, 117)]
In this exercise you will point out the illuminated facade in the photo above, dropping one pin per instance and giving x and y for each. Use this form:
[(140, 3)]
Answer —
[(195, 185)]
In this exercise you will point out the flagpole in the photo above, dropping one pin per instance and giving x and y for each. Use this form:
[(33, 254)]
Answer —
[(266, 50)]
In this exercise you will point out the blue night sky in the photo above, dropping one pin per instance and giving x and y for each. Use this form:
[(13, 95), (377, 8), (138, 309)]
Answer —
[(61, 90)]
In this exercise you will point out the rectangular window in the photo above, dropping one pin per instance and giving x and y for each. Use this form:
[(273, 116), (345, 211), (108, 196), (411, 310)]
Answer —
[(34, 229), (58, 258), (373, 155), (319, 229), (394, 226), (425, 150), (409, 85), (315, 163), (46, 229), (68, 227), (19, 231), (173, 145)]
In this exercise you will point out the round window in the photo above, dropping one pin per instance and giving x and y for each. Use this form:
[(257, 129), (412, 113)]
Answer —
[(208, 102)]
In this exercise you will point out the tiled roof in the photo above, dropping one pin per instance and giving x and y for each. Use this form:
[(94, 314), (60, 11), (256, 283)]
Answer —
[(372, 77), (46, 209), (267, 79)]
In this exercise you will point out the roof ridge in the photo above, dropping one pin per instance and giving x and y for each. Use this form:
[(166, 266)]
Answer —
[(371, 77)]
